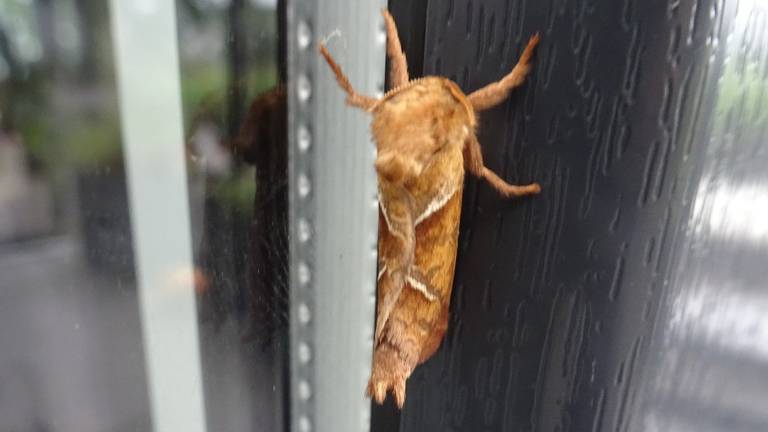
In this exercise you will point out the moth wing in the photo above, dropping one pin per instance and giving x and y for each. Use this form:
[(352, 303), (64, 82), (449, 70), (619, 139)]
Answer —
[(388, 292)]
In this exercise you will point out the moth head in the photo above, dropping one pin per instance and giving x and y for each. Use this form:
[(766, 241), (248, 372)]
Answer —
[(396, 169)]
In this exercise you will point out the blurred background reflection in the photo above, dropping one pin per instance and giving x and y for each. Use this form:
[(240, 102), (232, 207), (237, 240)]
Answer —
[(71, 349), (710, 367)]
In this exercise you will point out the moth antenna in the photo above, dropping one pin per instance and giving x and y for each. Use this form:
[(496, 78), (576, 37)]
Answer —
[(334, 34), (495, 93), (353, 98)]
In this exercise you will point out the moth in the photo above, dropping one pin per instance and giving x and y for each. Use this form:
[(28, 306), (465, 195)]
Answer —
[(425, 132)]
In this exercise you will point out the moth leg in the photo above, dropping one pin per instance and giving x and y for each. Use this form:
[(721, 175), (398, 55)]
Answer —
[(494, 93), (473, 162), (507, 189), (353, 98), (398, 66)]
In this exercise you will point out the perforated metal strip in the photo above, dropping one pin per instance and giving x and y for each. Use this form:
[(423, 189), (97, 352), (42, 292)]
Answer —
[(333, 214)]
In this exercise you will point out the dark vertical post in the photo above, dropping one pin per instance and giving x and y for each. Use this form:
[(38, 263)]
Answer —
[(557, 298)]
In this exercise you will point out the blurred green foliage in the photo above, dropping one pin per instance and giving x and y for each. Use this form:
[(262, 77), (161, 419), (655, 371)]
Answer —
[(66, 110), (743, 92)]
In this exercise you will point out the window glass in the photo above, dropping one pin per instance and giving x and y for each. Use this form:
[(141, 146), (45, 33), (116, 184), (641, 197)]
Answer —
[(74, 329)]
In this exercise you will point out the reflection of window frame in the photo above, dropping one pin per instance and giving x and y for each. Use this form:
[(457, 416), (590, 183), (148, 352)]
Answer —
[(148, 81)]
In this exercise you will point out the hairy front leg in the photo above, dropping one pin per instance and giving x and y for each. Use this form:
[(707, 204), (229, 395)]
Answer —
[(495, 93)]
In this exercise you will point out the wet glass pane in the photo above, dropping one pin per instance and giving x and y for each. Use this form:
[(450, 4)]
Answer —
[(74, 328), (235, 120), (71, 352)]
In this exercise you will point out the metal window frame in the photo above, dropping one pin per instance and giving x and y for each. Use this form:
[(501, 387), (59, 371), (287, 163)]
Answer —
[(333, 213)]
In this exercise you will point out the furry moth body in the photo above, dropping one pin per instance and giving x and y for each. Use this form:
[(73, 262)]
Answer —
[(425, 140)]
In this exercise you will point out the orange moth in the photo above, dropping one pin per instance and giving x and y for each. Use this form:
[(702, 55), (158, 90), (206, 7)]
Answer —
[(425, 134)]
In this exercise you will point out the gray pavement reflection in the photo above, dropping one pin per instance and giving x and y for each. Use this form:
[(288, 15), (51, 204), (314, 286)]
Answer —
[(70, 344), (71, 357)]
